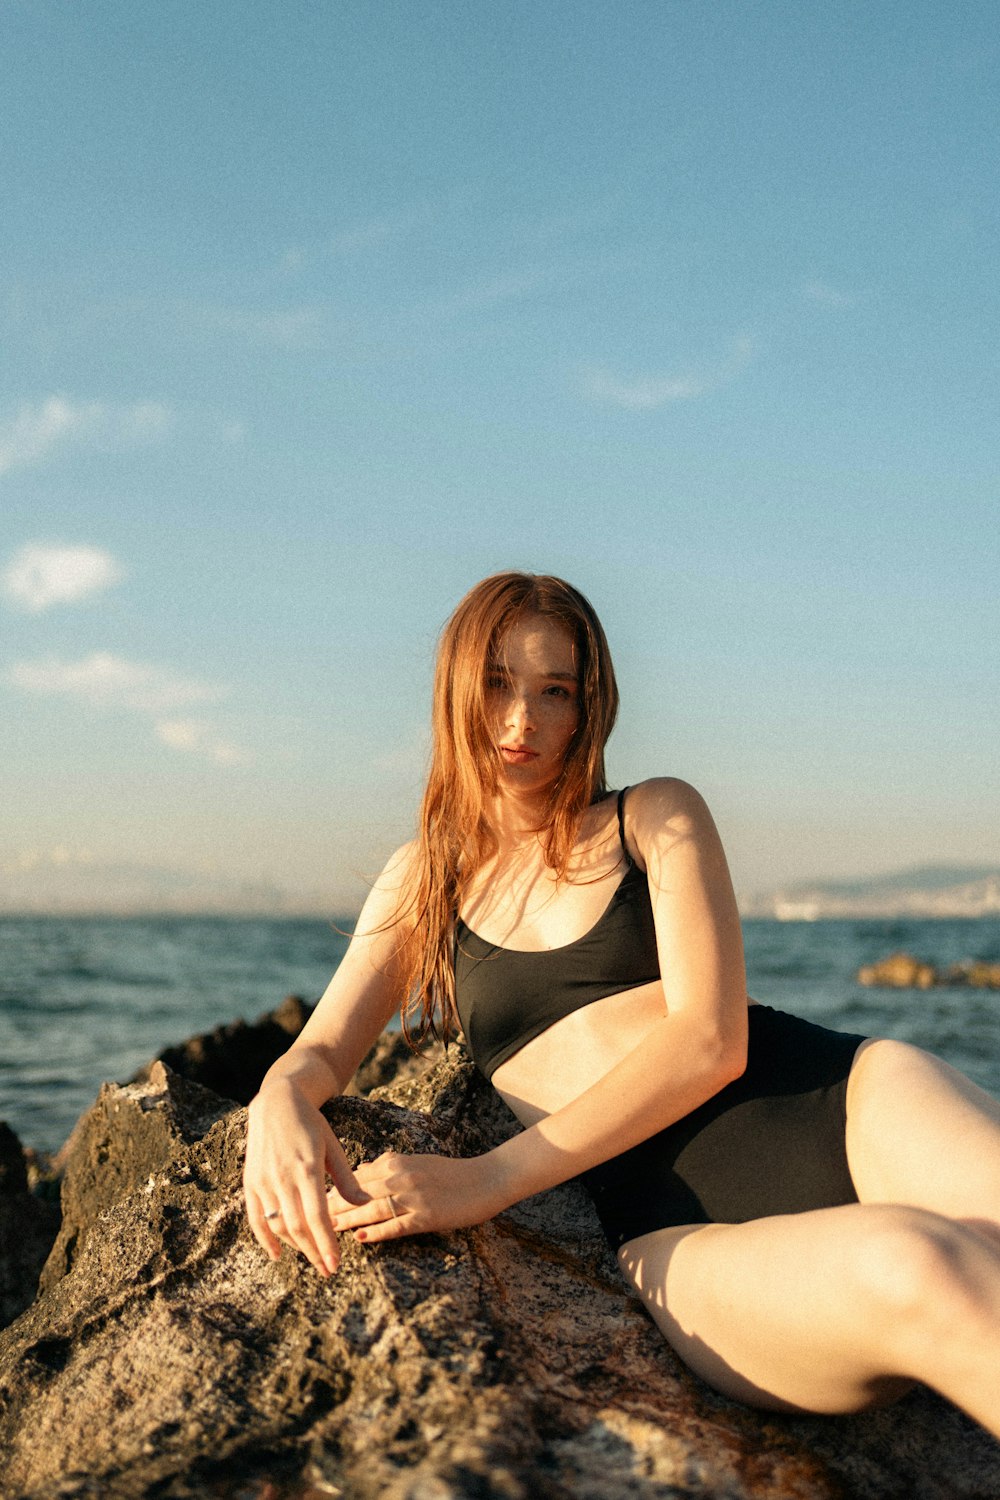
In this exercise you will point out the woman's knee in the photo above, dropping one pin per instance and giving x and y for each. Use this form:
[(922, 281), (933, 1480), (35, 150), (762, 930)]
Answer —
[(884, 1063), (910, 1268)]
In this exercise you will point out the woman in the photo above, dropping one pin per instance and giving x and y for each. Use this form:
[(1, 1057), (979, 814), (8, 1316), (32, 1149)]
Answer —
[(812, 1219)]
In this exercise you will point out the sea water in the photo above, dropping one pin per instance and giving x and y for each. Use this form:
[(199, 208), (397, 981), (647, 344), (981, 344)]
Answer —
[(84, 999)]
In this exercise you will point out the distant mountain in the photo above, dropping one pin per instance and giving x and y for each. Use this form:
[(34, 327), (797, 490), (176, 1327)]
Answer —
[(920, 878), (923, 891), (80, 887)]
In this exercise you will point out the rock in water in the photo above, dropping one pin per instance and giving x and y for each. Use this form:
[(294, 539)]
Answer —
[(232, 1059), (167, 1356), (28, 1225), (901, 971)]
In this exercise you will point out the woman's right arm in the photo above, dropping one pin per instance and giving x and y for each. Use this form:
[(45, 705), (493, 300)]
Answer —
[(290, 1147)]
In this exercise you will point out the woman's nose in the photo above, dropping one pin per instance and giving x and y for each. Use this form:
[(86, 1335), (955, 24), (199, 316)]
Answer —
[(519, 714)]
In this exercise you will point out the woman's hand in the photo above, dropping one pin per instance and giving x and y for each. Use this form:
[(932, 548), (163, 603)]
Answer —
[(420, 1195), (291, 1151)]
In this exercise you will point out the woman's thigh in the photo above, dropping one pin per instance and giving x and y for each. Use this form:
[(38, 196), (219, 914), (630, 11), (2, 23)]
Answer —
[(780, 1312), (919, 1132)]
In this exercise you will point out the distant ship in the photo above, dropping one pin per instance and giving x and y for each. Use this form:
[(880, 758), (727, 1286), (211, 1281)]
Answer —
[(796, 911)]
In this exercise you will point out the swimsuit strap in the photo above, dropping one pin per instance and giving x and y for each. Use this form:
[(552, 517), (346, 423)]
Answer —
[(621, 825)]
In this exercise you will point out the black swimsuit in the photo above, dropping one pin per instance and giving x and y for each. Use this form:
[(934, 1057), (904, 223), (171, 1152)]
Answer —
[(506, 996), (771, 1142)]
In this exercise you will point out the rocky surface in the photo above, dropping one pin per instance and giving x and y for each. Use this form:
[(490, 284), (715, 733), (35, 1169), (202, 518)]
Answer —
[(901, 971), (228, 1062), (167, 1357)]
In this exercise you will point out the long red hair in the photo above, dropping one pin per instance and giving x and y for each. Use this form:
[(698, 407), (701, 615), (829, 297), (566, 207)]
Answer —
[(456, 836)]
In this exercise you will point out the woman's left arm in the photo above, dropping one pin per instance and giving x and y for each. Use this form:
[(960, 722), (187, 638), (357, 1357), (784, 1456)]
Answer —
[(694, 1050)]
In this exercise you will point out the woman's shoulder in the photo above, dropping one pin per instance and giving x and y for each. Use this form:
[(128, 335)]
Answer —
[(665, 805), (402, 861), (661, 794), (392, 891)]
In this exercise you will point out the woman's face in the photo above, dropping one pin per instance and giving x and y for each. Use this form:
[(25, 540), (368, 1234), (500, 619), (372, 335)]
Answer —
[(533, 701)]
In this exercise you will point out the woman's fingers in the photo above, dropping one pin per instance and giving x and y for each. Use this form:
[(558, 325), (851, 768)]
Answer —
[(375, 1211), (305, 1224), (374, 1203), (320, 1226), (387, 1229), (297, 1215), (291, 1150), (338, 1204), (261, 1225)]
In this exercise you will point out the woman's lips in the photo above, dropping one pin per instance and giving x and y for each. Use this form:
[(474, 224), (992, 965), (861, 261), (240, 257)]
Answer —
[(518, 755)]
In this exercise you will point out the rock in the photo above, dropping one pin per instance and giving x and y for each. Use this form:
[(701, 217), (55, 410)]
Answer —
[(391, 1061), (977, 975), (900, 971), (167, 1356), (28, 1226), (232, 1059), (89, 1173), (13, 1168), (118, 1145)]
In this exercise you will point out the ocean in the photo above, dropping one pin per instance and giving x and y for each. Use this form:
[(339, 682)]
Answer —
[(84, 999)]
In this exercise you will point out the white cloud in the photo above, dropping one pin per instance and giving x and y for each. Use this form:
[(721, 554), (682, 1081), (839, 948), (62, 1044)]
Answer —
[(539, 229), (647, 392), (193, 736), (485, 293), (351, 240), (43, 574), (30, 435), (139, 423), (107, 681), (60, 855), (369, 234), (642, 393), (289, 328), (36, 431), (821, 291), (180, 734)]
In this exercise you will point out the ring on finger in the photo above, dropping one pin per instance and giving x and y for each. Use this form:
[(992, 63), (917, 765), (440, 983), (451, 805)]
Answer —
[(392, 1207), (274, 1213)]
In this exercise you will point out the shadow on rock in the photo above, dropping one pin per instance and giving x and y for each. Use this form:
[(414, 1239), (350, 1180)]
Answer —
[(29, 1222)]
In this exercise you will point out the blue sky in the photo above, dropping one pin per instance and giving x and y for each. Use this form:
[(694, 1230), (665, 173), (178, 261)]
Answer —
[(313, 314)]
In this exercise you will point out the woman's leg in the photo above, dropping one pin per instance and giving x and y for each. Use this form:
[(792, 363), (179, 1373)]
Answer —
[(919, 1132), (840, 1308), (830, 1311)]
